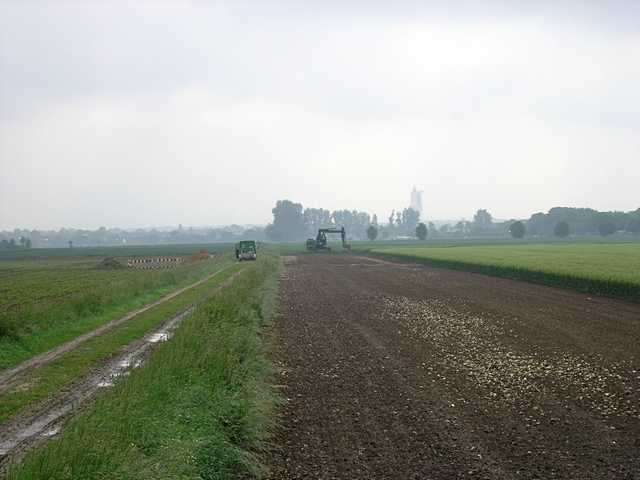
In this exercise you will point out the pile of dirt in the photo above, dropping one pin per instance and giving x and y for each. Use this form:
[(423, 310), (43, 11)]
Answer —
[(201, 255), (110, 263)]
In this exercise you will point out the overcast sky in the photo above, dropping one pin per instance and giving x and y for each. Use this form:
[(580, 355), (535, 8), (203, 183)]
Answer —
[(206, 113)]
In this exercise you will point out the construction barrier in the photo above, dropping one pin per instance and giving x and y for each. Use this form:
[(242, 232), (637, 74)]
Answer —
[(154, 262)]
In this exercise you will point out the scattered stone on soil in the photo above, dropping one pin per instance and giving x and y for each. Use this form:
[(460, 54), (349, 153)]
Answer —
[(403, 372)]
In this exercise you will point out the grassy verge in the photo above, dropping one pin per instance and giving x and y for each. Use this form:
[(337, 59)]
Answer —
[(610, 270), (114, 251), (95, 298), (78, 362), (199, 409)]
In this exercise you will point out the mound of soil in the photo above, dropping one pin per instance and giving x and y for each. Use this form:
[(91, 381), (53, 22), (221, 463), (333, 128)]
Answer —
[(110, 263)]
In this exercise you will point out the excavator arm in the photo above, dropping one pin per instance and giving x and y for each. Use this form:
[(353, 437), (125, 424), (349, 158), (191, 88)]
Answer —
[(321, 239)]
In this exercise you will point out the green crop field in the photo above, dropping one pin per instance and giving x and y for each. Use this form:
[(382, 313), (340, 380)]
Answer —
[(46, 301), (121, 251), (602, 268)]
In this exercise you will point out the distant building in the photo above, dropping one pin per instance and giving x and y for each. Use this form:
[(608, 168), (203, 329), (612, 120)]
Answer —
[(416, 200)]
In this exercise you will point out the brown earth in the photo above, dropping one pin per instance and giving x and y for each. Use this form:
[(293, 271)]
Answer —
[(399, 371)]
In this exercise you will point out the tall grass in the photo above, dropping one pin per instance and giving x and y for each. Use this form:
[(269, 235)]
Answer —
[(199, 408), (77, 363), (45, 303)]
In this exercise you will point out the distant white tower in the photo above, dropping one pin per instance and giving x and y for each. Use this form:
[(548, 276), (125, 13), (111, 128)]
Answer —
[(416, 200)]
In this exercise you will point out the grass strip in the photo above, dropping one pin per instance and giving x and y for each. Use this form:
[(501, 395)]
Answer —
[(626, 290), (79, 314), (200, 408), (115, 251), (49, 378)]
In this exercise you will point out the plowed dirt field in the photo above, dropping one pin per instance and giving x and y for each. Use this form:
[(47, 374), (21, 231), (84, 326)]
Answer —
[(399, 371)]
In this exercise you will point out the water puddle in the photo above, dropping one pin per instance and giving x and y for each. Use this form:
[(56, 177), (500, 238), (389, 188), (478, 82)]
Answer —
[(159, 337), (42, 425), (51, 432)]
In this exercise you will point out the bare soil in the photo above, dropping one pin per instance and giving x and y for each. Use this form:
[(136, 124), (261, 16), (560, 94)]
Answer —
[(399, 371)]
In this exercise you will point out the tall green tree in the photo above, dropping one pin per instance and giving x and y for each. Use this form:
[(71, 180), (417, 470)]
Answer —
[(315, 218), (463, 227), (482, 220), (561, 230), (410, 219), (633, 223), (517, 229), (288, 222), (421, 231), (392, 218), (354, 222), (372, 232)]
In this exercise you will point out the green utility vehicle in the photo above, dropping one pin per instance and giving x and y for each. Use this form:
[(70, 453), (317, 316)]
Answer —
[(246, 250)]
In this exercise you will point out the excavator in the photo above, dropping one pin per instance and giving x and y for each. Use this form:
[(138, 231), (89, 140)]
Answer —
[(320, 242)]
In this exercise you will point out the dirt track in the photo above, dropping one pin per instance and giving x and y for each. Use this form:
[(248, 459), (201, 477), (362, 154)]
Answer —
[(46, 420), (9, 377), (395, 371)]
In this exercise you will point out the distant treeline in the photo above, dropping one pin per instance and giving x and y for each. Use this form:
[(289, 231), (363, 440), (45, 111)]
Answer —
[(293, 222), (584, 221), (69, 237), (558, 222)]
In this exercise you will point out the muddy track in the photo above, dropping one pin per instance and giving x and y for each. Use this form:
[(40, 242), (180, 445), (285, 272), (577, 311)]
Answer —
[(45, 421), (400, 371), (9, 377)]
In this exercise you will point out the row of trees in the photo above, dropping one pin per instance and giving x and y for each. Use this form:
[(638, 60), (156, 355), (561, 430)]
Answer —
[(559, 222), (8, 244), (583, 221), (291, 221), (419, 232), (63, 238)]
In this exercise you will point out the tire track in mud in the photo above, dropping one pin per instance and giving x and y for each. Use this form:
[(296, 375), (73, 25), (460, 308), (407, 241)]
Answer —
[(25, 431), (9, 377), (412, 372)]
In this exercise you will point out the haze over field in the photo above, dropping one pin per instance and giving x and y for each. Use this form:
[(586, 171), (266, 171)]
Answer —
[(207, 113)]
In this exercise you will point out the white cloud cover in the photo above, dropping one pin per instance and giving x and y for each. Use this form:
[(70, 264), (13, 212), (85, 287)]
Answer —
[(207, 113)]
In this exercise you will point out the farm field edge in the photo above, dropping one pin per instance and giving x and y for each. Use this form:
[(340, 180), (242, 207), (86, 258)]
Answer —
[(201, 406), (44, 381), (601, 269)]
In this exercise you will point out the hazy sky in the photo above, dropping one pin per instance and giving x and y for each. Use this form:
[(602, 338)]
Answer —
[(206, 113)]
